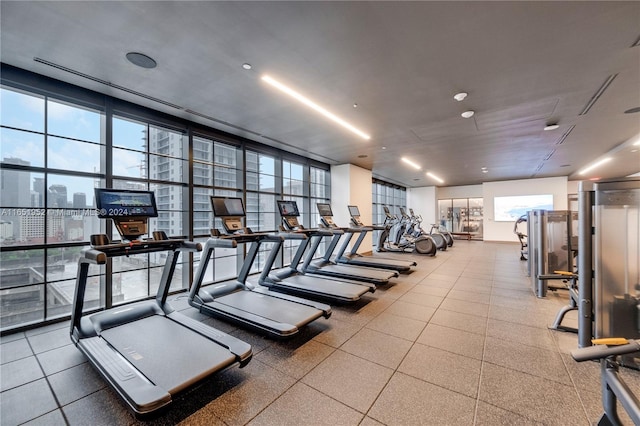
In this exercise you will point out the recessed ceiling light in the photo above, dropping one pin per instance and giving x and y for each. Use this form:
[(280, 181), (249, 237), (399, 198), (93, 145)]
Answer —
[(297, 96), (141, 60), (485, 171), (594, 165), (434, 177), (551, 126), (384, 147), (632, 110), (355, 105), (411, 163), (246, 66), (467, 114), (483, 168), (460, 96)]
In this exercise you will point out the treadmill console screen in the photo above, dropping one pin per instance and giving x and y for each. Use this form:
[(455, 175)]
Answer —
[(355, 215), (289, 212), (227, 206), (120, 203), (402, 212), (288, 208), (324, 209)]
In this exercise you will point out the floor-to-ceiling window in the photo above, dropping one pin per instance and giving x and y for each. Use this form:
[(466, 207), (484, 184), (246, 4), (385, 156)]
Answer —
[(52, 156), (388, 195), (59, 142)]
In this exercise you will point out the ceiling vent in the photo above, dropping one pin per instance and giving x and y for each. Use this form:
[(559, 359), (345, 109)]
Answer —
[(106, 83), (597, 95), (549, 155), (565, 135)]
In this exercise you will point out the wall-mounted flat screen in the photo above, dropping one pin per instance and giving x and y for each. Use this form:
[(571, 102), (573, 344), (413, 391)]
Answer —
[(288, 208), (116, 203), (324, 209), (354, 211), (509, 209), (227, 206)]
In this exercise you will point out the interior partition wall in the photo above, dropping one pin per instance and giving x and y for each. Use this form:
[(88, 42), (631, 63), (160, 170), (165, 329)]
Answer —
[(59, 142)]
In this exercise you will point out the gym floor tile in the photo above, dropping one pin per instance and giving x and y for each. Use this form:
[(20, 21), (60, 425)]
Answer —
[(422, 299), (17, 373), (351, 380), (100, 408), (52, 418), (472, 289), (465, 307), (519, 333), (368, 421), (243, 393), (539, 362), (377, 347), (436, 283), (464, 322), (405, 328), (433, 291), (50, 340), (336, 332), (452, 340), (60, 359), (520, 315), (437, 276), (409, 401), (14, 350), (302, 405), (293, 359), (11, 337), (411, 310), (474, 282), (76, 382), (543, 400), (469, 296), (26, 402), (490, 415), (454, 372)]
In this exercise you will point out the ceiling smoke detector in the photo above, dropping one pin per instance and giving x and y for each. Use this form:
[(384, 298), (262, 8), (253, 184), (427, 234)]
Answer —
[(467, 114), (551, 126)]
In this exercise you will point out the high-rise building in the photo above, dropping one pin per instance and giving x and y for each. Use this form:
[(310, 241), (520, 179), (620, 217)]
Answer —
[(79, 200), (58, 196)]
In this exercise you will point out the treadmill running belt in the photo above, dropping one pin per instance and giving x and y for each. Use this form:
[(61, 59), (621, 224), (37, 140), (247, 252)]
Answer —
[(270, 307), (168, 354)]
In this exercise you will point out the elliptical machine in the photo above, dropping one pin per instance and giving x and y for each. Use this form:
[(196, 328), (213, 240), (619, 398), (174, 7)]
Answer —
[(395, 238), (524, 246), (414, 227)]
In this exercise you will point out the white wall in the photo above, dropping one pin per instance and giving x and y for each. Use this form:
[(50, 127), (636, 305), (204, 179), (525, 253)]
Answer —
[(423, 201), (351, 185), (503, 231), (467, 191)]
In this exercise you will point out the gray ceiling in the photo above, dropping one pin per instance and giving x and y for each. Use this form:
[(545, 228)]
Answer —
[(524, 65)]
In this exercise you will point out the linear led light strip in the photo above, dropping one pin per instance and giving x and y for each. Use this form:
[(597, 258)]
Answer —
[(594, 165), (297, 96), (434, 177), (411, 163)]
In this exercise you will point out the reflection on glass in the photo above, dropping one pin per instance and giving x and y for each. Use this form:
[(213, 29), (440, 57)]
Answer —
[(21, 306)]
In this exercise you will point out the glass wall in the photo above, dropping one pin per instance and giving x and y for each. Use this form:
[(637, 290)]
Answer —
[(462, 216), (389, 195), (59, 143)]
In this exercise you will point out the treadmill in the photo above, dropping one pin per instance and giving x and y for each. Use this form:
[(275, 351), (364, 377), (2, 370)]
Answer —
[(275, 314), (326, 267), (146, 351), (353, 258), (291, 280)]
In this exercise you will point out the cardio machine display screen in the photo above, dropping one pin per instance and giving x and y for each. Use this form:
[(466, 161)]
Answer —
[(288, 208), (115, 203), (227, 206), (324, 209), (354, 211)]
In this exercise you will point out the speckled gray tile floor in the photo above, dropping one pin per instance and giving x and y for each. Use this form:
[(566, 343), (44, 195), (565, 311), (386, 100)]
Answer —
[(462, 340)]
